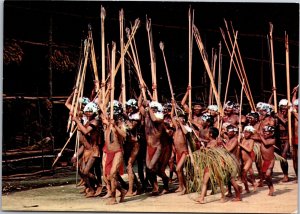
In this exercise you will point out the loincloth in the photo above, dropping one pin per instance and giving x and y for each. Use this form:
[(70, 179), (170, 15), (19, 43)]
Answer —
[(151, 151), (267, 164), (179, 155), (109, 161), (92, 152), (295, 140)]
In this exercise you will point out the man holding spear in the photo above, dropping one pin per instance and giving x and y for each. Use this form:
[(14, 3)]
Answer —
[(295, 121), (282, 136), (153, 121), (90, 138)]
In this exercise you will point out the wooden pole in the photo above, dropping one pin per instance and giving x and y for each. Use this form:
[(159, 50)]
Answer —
[(74, 99), (241, 68), (123, 85), (134, 29), (230, 66), (211, 68), (220, 69), (240, 113), (60, 153), (81, 84), (152, 56), (102, 15), (93, 56), (287, 59), (136, 65), (214, 74), (204, 58), (50, 54), (112, 79), (273, 67), (237, 69), (161, 46), (191, 22), (244, 74)]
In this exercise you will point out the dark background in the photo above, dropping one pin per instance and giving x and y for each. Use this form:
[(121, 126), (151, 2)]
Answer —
[(29, 21), (28, 24)]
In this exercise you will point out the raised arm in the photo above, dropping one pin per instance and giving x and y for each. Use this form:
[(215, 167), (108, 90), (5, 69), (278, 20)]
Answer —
[(267, 142), (68, 102), (82, 128), (140, 105), (119, 128), (183, 101), (153, 117), (233, 144)]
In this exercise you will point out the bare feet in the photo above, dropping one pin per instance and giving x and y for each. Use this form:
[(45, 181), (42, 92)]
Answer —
[(255, 185), (200, 200), (83, 190), (91, 193), (98, 191), (164, 192), (81, 183), (183, 191), (112, 201), (236, 199), (129, 194), (123, 193), (179, 189), (222, 200), (260, 184), (108, 195), (285, 179), (271, 191), (229, 195), (240, 188)]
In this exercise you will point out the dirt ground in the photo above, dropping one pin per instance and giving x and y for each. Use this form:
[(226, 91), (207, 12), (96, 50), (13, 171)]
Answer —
[(68, 198)]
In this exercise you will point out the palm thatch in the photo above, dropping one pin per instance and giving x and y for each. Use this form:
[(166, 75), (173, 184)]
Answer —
[(258, 156), (221, 165)]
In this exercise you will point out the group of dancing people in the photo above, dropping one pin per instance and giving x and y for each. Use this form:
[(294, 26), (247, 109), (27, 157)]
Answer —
[(199, 144)]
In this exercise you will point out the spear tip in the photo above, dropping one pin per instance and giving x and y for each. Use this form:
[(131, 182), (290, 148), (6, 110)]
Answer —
[(161, 45), (102, 12)]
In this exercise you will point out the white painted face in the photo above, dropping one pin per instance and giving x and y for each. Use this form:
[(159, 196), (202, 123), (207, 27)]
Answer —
[(91, 107), (249, 129)]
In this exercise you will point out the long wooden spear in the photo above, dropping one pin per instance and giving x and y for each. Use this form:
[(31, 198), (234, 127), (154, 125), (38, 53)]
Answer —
[(244, 72), (152, 56), (137, 67), (287, 59), (213, 68), (240, 113), (220, 69), (191, 22), (205, 61), (230, 66), (81, 84), (79, 74), (241, 68), (273, 67), (161, 46), (60, 153), (93, 56), (112, 80), (134, 29), (237, 68), (102, 15), (123, 85)]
